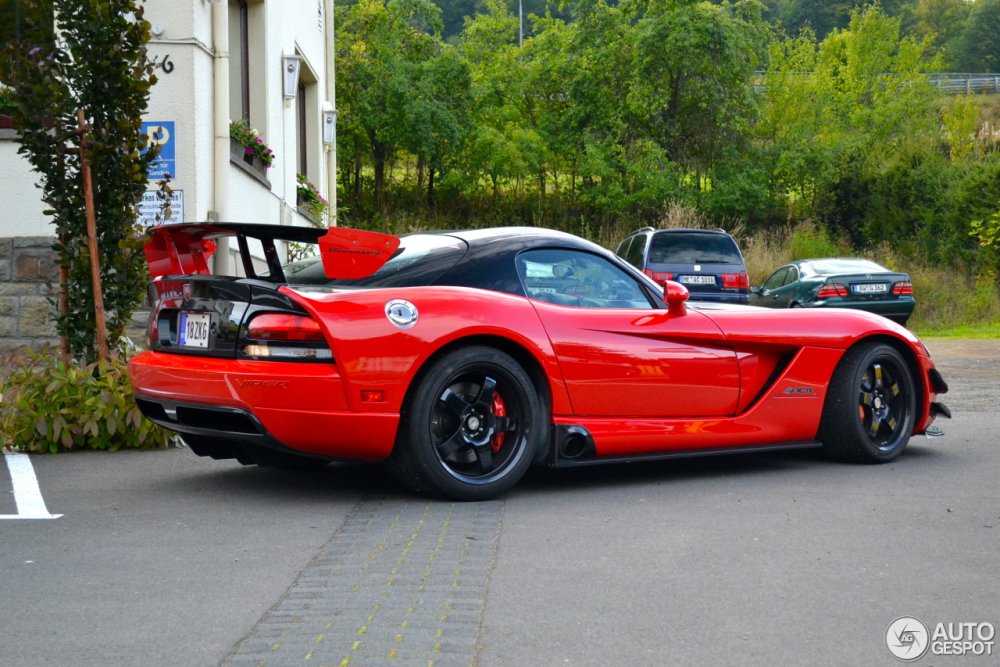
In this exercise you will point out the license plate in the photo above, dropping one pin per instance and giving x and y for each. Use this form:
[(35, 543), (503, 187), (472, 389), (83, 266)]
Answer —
[(193, 329), (871, 288), (698, 280)]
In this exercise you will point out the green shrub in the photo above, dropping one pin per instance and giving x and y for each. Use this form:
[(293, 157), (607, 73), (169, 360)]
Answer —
[(50, 405), (810, 242)]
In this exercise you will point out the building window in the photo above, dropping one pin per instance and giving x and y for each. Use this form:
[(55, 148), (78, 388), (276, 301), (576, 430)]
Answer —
[(307, 124), (247, 84), (301, 126)]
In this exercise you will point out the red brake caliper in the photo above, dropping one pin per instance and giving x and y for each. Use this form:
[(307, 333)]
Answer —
[(499, 410)]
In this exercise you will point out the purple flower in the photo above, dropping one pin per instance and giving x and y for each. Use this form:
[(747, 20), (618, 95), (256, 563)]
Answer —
[(33, 52), (249, 150)]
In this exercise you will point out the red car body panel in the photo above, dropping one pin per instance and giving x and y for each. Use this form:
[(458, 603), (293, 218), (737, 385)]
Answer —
[(641, 382)]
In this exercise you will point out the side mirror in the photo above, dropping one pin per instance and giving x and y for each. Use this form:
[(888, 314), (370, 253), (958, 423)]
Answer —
[(675, 295), (756, 289)]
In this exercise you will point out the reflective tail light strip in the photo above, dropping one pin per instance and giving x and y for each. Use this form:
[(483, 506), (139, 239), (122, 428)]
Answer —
[(658, 277), (739, 280), (831, 290), (285, 327)]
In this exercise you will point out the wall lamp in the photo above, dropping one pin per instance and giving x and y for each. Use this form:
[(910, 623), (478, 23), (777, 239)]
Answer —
[(329, 123), (290, 74)]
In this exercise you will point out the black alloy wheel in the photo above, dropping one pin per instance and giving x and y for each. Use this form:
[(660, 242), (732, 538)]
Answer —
[(870, 406), (471, 426)]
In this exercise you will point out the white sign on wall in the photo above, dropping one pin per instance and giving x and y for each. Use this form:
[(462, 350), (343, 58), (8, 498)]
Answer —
[(151, 211)]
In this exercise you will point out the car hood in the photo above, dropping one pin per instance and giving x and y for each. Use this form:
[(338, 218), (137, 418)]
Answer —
[(829, 327)]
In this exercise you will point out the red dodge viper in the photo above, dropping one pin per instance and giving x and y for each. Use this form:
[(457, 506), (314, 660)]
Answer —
[(462, 358)]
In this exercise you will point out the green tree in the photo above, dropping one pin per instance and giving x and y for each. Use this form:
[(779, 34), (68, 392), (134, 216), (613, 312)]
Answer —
[(438, 112), (946, 20), (694, 65), (99, 64), (380, 49), (979, 49)]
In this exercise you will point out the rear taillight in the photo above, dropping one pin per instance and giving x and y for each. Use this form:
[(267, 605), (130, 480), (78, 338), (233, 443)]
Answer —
[(279, 326), (736, 280), (286, 336), (661, 278), (902, 288), (831, 290)]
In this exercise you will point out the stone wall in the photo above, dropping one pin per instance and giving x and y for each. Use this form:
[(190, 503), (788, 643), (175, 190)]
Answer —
[(29, 278)]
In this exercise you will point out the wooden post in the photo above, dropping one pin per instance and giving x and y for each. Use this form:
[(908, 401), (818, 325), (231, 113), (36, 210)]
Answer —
[(95, 261)]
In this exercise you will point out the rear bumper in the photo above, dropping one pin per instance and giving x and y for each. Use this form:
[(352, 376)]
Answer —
[(897, 311), (721, 297), (277, 405)]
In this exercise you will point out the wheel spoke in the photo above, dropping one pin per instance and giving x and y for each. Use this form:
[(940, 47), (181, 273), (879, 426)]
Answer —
[(867, 398), (455, 403), (485, 396), (891, 422), (504, 424), (894, 389), (485, 456), (878, 375), (451, 445), (876, 423)]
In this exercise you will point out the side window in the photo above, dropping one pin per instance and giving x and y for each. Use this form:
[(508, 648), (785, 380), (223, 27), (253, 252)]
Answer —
[(637, 251), (575, 278), (623, 246), (776, 279), (791, 276)]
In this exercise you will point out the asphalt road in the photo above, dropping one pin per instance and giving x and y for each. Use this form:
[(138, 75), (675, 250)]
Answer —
[(163, 558)]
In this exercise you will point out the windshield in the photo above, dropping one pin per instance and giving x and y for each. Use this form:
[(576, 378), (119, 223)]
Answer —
[(693, 248), (420, 260)]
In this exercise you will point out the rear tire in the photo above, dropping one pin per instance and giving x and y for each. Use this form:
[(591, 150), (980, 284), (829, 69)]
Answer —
[(471, 426), (870, 406)]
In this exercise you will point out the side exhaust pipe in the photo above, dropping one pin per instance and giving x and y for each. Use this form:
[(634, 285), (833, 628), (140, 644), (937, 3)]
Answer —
[(572, 444)]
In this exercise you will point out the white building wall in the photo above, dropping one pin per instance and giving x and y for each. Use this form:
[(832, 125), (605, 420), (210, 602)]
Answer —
[(22, 214), (184, 95)]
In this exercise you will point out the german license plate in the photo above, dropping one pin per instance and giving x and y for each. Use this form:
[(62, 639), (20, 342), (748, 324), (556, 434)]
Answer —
[(871, 288), (698, 280), (193, 329)]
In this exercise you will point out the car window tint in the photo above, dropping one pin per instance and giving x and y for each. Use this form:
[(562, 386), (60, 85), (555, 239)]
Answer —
[(693, 248), (420, 260), (574, 278), (636, 251), (791, 276), (776, 279), (624, 246)]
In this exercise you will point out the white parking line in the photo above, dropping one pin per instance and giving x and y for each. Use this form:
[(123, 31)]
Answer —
[(27, 495)]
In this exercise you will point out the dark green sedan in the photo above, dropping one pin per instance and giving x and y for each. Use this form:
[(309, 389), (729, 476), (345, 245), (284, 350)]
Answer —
[(838, 283)]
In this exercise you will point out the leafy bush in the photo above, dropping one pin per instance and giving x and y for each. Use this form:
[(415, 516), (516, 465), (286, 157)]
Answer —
[(6, 100), (253, 144), (50, 405), (308, 196), (811, 242)]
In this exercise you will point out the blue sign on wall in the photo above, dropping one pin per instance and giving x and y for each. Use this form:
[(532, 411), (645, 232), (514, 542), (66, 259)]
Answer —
[(161, 133)]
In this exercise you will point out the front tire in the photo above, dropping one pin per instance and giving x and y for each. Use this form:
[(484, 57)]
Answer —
[(470, 428), (870, 406)]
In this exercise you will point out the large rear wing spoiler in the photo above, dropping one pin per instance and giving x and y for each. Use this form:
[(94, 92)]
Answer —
[(185, 249)]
